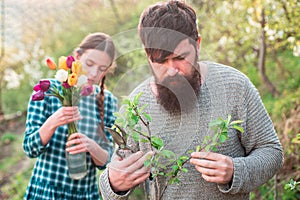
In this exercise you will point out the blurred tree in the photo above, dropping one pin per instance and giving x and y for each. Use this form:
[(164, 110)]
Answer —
[(234, 33), (230, 30), (2, 49)]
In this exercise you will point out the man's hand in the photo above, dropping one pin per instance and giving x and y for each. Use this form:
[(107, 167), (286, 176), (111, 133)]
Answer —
[(214, 167), (126, 173)]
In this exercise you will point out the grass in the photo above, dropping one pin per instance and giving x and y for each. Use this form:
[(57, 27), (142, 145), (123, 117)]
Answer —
[(13, 170)]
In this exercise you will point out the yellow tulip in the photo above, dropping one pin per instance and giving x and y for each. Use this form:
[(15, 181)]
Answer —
[(62, 64), (77, 67), (72, 80), (51, 65)]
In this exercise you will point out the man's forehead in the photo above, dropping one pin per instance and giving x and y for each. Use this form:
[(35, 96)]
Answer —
[(183, 47)]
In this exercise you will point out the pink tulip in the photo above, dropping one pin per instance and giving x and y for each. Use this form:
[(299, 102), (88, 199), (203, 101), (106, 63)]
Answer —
[(66, 85), (69, 61), (44, 85), (86, 90), (37, 87), (39, 95)]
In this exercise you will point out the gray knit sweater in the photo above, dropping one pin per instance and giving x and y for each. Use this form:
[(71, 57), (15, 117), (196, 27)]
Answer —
[(257, 153)]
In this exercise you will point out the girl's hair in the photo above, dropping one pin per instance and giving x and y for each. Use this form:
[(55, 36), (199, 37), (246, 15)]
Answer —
[(102, 42)]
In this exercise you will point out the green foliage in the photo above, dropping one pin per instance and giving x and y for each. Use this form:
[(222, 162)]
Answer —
[(7, 138), (267, 192), (286, 105), (292, 185), (230, 33), (220, 127), (132, 116), (13, 104), (18, 185), (15, 169)]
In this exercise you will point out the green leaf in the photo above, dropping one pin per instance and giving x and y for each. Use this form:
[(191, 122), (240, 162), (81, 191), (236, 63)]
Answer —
[(190, 151), (198, 148), (215, 123), (228, 119), (117, 115), (179, 162), (126, 102), (133, 120), (157, 142), (175, 167), (142, 108), (168, 153), (161, 173), (207, 148), (184, 158), (174, 180), (147, 163), (236, 122), (136, 98), (135, 136), (185, 170), (214, 149), (222, 138), (147, 116), (239, 128), (144, 140)]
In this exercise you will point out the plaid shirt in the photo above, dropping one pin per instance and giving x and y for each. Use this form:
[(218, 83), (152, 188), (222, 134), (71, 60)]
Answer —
[(50, 179)]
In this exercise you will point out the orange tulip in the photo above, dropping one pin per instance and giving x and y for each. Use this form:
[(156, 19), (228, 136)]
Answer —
[(72, 80), (51, 65), (62, 64), (77, 67)]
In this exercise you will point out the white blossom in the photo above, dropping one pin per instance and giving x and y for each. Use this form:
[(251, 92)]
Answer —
[(61, 75), (82, 80)]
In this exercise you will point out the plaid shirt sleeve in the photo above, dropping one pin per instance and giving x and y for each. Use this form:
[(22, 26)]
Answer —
[(37, 114), (32, 142)]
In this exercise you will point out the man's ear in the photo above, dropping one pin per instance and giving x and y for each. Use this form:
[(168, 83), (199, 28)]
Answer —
[(149, 59), (199, 42)]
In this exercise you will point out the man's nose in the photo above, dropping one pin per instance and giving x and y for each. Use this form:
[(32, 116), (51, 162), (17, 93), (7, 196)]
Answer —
[(172, 69)]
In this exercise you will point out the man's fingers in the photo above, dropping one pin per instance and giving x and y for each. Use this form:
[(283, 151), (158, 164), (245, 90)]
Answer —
[(203, 162), (206, 155), (141, 179), (132, 164)]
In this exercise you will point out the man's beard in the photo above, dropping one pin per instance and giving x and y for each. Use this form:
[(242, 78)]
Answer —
[(179, 94)]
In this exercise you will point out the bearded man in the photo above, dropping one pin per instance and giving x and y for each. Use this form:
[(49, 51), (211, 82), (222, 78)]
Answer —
[(183, 96)]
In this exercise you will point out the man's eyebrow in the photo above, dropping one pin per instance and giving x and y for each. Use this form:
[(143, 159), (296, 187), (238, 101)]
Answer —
[(183, 54)]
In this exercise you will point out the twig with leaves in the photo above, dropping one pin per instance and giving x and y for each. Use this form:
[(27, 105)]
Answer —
[(127, 124)]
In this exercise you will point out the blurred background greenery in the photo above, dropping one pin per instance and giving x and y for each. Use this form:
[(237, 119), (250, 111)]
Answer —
[(260, 38)]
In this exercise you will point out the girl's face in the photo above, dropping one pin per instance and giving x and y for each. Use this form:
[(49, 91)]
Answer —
[(95, 63)]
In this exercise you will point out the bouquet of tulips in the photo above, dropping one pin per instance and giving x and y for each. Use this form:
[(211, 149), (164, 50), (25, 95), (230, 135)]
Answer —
[(74, 84)]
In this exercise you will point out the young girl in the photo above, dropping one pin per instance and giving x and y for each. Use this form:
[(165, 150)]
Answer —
[(46, 129)]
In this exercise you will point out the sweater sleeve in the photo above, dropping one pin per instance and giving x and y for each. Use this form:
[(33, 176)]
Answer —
[(264, 154), (106, 191)]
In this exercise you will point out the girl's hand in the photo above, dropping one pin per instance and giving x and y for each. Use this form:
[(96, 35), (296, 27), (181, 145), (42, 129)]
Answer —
[(64, 115), (78, 143), (214, 167)]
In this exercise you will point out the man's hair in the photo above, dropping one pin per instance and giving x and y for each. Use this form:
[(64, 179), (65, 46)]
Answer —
[(164, 25)]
